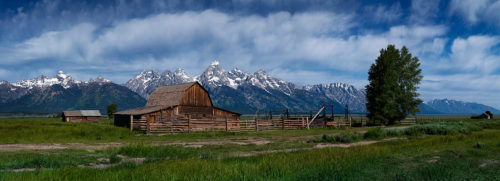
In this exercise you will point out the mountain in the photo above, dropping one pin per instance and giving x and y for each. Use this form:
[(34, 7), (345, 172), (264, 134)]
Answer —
[(54, 94), (459, 107), (246, 93)]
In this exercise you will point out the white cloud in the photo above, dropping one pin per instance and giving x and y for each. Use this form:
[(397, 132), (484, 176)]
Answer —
[(475, 11), (385, 14), (475, 53), (423, 10), (466, 87)]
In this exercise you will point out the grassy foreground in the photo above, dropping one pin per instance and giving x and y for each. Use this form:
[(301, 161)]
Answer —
[(449, 157), (454, 152)]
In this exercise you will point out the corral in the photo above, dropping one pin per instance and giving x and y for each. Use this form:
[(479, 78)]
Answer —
[(188, 108), (178, 108)]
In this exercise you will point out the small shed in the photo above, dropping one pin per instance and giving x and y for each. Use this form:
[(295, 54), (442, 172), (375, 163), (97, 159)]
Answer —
[(182, 107), (81, 116)]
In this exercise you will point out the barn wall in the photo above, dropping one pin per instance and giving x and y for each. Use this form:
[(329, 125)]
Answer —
[(223, 113), (75, 119), (94, 119), (196, 96)]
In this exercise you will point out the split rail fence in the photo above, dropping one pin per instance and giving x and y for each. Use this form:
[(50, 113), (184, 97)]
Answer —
[(188, 124)]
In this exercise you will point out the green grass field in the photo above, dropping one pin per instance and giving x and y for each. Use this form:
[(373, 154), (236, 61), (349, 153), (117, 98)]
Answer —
[(449, 150)]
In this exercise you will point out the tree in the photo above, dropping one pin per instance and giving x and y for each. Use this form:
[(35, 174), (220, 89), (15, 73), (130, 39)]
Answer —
[(112, 109), (393, 82)]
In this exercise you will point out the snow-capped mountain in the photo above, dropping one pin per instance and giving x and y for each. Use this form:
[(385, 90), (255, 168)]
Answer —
[(146, 82), (459, 107), (60, 78), (256, 91), (345, 94), (54, 94)]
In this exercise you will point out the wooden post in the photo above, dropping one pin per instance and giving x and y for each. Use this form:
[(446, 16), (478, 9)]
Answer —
[(333, 115), (271, 114), (189, 123), (307, 122), (256, 124), (282, 124), (131, 122), (148, 127), (171, 119), (226, 122), (324, 117), (287, 114)]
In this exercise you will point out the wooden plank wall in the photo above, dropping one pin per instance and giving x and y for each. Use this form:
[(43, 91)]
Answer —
[(196, 96)]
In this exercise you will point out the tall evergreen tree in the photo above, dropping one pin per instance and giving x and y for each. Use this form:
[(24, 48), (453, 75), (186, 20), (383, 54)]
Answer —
[(393, 80)]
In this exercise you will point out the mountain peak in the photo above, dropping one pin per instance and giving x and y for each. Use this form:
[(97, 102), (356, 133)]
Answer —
[(215, 63)]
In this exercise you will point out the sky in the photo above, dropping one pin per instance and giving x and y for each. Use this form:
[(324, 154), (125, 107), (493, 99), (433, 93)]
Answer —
[(303, 42)]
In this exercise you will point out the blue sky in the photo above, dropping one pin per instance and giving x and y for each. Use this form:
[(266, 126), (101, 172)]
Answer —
[(457, 42)]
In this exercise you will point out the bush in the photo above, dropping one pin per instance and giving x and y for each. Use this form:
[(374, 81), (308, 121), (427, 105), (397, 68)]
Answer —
[(342, 137), (479, 145), (374, 133)]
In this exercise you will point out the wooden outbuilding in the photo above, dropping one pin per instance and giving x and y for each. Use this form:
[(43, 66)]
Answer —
[(81, 116), (178, 108)]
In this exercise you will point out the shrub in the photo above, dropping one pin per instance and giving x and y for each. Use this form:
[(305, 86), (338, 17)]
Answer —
[(374, 133), (479, 145), (342, 137)]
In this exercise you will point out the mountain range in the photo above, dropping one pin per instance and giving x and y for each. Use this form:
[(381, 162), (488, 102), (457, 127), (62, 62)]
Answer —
[(234, 90), (61, 92)]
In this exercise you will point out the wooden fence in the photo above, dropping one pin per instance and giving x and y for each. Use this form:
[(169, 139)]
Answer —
[(175, 124)]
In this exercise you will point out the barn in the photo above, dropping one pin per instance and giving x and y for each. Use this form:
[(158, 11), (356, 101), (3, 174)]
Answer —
[(178, 108), (81, 116)]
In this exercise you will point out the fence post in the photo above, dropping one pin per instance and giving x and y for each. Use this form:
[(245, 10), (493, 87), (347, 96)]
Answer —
[(282, 124), (307, 122), (131, 122), (148, 127), (256, 124), (226, 122), (189, 123)]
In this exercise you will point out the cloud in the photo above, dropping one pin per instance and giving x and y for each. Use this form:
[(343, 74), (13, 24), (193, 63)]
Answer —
[(475, 53), (466, 87), (384, 14), (424, 11), (475, 11), (301, 41)]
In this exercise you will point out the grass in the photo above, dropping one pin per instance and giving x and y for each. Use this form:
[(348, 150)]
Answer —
[(444, 157), (468, 150)]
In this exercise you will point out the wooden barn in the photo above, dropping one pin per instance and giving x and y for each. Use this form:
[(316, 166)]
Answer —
[(178, 108), (81, 116)]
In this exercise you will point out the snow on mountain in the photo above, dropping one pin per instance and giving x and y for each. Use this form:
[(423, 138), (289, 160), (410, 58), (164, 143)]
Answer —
[(147, 81), (342, 93), (42, 81), (459, 107), (99, 80), (262, 80), (216, 76)]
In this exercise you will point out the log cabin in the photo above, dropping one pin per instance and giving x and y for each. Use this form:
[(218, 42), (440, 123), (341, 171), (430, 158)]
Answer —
[(178, 108), (81, 116)]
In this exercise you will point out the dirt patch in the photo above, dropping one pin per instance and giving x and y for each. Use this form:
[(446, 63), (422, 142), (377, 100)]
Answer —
[(52, 146), (488, 162), (319, 146), (347, 145)]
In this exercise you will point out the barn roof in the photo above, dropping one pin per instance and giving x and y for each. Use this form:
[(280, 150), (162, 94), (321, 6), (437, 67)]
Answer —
[(90, 113), (168, 95), (141, 110)]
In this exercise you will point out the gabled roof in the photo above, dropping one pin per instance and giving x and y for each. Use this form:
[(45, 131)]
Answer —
[(90, 113), (167, 96), (140, 111)]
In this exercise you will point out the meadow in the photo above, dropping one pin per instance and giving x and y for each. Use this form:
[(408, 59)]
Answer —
[(438, 150)]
